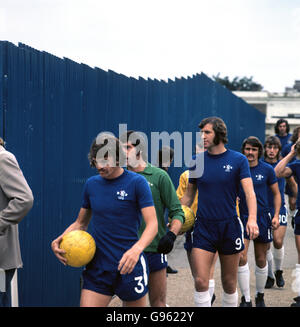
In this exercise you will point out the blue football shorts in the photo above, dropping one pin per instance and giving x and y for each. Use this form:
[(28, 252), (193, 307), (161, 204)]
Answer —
[(264, 223), (282, 215), (225, 236), (128, 287), (156, 261), (188, 244), (297, 222)]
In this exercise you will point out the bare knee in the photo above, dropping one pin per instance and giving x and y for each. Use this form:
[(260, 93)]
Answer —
[(243, 259), (229, 284), (157, 296), (278, 244), (261, 261), (157, 288), (159, 300), (201, 284)]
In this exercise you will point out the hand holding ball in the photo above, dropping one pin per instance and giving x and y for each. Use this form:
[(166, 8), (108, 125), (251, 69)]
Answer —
[(189, 219), (79, 246)]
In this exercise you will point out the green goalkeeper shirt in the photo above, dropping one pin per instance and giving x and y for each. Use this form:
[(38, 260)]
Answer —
[(164, 196)]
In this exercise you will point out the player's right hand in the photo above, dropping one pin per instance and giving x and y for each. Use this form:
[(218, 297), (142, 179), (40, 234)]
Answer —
[(252, 229), (58, 251)]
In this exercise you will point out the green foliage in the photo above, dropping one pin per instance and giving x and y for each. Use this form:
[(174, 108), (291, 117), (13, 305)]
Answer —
[(238, 84)]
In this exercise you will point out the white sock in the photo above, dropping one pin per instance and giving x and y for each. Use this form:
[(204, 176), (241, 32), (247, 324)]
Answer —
[(244, 281), (296, 281), (230, 300), (211, 287), (202, 299), (278, 258), (270, 263), (261, 275)]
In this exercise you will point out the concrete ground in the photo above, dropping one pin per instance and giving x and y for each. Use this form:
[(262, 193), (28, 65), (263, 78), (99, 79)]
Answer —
[(180, 289), (274, 297)]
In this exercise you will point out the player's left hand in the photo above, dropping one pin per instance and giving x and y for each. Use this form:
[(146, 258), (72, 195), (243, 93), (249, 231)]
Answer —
[(275, 223), (166, 243), (129, 260)]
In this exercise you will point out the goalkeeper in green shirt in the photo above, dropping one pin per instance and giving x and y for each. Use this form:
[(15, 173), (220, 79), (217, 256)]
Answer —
[(164, 196)]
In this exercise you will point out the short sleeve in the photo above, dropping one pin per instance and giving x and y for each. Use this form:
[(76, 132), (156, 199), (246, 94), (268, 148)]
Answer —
[(272, 179), (85, 198), (244, 168), (143, 192)]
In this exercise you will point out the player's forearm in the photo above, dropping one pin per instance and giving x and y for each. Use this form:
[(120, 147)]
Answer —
[(252, 205), (175, 226), (147, 237), (189, 195), (280, 167), (81, 222), (277, 204), (186, 200), (293, 185), (151, 229)]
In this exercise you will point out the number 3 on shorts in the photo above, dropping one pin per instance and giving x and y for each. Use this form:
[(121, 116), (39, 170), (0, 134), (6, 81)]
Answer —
[(140, 285), (142, 281)]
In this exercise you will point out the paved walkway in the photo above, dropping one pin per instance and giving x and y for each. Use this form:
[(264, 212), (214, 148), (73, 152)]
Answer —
[(180, 289), (183, 282)]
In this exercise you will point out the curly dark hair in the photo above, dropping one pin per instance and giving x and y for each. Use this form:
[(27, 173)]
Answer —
[(165, 156), (219, 128), (137, 139), (255, 142), (280, 121), (113, 147), (273, 140)]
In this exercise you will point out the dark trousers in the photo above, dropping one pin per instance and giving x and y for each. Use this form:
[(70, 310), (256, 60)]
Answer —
[(5, 297)]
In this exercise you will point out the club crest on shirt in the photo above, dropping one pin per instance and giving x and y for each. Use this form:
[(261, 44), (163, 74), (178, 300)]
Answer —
[(259, 177), (121, 195), (227, 168)]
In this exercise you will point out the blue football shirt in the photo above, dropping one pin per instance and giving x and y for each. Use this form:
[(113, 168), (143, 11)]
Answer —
[(281, 185), (263, 175), (286, 150), (218, 186), (116, 214), (295, 167), (284, 139)]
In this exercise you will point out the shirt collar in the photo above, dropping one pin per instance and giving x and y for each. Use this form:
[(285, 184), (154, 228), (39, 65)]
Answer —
[(148, 169)]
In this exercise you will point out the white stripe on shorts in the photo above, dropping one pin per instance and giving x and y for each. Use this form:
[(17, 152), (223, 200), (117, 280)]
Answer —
[(143, 262), (242, 227), (163, 258)]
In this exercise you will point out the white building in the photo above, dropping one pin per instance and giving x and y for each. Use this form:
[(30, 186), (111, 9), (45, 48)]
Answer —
[(276, 105)]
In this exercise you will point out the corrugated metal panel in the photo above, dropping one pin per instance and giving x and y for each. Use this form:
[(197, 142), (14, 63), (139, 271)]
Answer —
[(52, 108), (2, 86)]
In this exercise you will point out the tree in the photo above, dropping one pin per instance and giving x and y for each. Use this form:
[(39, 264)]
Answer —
[(238, 84)]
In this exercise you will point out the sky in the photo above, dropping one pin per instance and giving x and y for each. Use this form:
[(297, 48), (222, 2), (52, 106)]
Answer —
[(164, 39)]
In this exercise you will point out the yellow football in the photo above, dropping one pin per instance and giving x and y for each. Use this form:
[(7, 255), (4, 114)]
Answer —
[(189, 219), (80, 248)]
